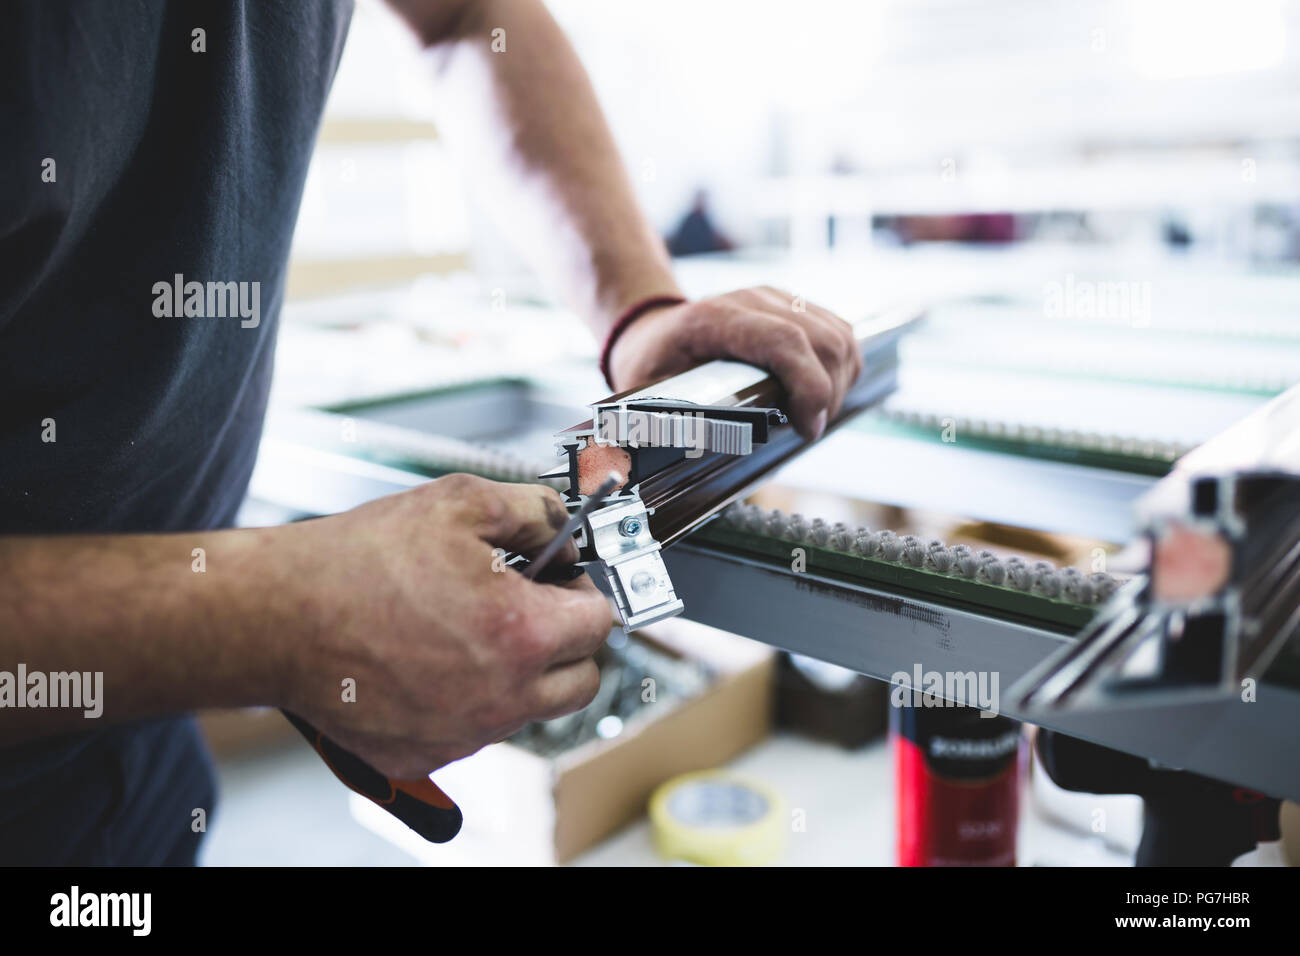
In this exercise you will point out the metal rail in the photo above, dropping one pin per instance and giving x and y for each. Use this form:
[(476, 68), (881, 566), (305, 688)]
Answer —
[(877, 633)]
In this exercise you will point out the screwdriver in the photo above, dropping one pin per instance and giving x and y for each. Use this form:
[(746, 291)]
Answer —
[(538, 565), (421, 804)]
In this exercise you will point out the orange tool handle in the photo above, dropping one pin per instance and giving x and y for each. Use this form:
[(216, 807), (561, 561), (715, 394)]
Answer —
[(420, 804)]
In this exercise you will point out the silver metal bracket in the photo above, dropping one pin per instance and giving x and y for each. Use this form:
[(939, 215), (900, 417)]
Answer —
[(631, 563)]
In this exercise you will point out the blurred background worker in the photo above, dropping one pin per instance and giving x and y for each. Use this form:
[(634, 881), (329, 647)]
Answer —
[(696, 233)]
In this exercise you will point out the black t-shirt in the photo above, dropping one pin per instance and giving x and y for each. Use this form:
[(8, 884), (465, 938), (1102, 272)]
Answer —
[(152, 161)]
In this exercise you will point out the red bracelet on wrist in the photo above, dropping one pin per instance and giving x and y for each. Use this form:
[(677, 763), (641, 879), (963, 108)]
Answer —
[(626, 318)]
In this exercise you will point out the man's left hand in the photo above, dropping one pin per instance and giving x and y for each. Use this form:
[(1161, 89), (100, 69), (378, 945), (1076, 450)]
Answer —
[(812, 351)]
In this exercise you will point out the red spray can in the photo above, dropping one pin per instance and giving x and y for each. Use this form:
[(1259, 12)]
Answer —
[(957, 786)]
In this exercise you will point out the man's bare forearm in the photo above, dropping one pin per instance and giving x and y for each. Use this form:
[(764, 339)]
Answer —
[(524, 113), (167, 628), (391, 627)]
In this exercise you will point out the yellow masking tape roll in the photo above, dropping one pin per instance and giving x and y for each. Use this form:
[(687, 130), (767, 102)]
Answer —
[(718, 819)]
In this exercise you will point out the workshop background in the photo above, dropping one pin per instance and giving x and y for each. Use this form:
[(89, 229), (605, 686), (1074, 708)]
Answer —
[(1098, 204)]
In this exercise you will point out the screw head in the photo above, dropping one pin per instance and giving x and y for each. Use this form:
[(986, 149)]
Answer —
[(643, 583), (629, 527)]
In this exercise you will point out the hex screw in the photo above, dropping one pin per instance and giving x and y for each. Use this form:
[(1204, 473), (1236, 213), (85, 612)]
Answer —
[(629, 527)]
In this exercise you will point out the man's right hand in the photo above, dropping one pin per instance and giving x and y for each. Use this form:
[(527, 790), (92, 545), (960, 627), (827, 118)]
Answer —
[(449, 649)]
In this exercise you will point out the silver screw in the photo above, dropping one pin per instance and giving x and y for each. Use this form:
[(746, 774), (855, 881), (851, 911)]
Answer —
[(643, 582), (629, 527)]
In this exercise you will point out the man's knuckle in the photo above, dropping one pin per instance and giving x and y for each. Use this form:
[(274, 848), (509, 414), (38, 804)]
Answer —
[(553, 506), (793, 339), (507, 624), (601, 619), (532, 641), (844, 336), (826, 347), (818, 389), (590, 685), (466, 493), (458, 484), (851, 352), (490, 508)]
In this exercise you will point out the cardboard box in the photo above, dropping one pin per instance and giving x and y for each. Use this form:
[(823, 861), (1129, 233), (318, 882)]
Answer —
[(522, 809)]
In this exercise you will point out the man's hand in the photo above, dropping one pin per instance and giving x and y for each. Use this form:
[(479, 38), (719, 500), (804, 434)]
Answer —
[(809, 349), (450, 650), (406, 596)]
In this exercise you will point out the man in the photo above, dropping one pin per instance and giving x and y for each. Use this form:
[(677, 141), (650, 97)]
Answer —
[(144, 144)]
